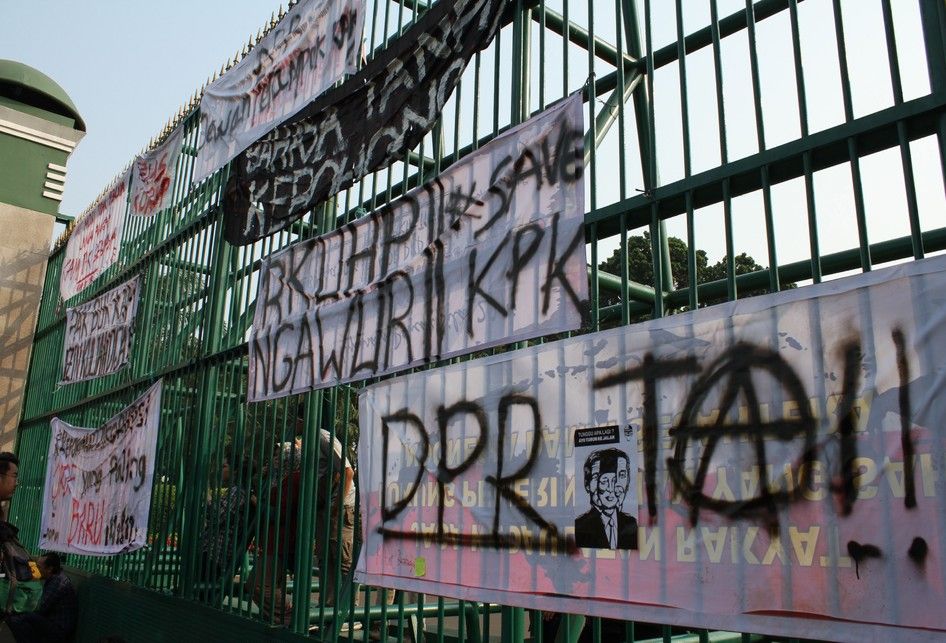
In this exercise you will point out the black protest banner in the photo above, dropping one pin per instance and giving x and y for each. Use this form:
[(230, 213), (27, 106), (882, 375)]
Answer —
[(491, 251), (99, 332), (370, 120), (97, 496)]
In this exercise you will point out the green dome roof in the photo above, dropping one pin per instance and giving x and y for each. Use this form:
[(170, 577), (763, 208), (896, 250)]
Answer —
[(32, 87)]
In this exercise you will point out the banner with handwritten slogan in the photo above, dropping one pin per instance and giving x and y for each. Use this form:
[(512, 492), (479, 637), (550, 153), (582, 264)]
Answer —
[(491, 251), (771, 465), (312, 47), (152, 176), (96, 239), (97, 495), (99, 332)]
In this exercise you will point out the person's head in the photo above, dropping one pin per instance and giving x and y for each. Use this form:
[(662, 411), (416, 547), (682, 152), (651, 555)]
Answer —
[(241, 474), (607, 476), (301, 420), (9, 470), (49, 564), (286, 459)]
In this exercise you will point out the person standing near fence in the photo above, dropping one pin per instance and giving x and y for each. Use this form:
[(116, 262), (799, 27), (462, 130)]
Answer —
[(54, 618), (336, 498), (277, 548), (9, 474), (9, 543), (225, 534)]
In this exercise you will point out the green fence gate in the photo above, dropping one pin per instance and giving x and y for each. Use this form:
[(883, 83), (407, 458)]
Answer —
[(733, 148)]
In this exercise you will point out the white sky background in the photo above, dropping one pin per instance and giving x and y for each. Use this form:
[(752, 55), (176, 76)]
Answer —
[(129, 66)]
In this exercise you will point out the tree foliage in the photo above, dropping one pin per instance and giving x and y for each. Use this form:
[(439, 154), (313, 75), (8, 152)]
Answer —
[(640, 266)]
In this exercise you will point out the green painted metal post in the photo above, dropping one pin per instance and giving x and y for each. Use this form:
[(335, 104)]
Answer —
[(513, 624), (570, 628), (193, 492), (933, 16)]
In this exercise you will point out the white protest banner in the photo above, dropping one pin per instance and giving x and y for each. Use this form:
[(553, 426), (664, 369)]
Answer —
[(312, 47), (152, 176), (491, 251), (783, 457), (97, 495), (95, 241), (98, 333)]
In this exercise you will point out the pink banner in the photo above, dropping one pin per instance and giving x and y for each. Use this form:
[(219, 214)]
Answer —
[(95, 241), (771, 465), (152, 176)]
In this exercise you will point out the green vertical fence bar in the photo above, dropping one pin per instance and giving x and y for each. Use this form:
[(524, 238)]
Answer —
[(801, 93), (906, 157), (760, 138), (513, 618), (853, 158), (687, 167), (213, 325), (663, 278), (933, 20), (731, 290), (620, 93), (306, 527)]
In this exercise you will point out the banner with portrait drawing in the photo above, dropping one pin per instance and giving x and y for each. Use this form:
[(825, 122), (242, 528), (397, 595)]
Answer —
[(95, 241), (99, 332), (97, 494), (782, 457), (491, 251), (152, 176), (309, 50)]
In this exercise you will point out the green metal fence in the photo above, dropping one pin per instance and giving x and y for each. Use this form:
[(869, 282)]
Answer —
[(733, 148)]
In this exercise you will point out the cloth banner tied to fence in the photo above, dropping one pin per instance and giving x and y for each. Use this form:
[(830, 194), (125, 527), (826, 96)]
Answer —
[(98, 333), (152, 176), (312, 47), (97, 496), (366, 123), (771, 465), (95, 241), (491, 251)]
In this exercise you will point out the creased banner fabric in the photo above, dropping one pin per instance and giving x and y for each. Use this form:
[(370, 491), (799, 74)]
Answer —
[(313, 46), (490, 252), (769, 465), (366, 123), (97, 496), (95, 241), (99, 332), (152, 176)]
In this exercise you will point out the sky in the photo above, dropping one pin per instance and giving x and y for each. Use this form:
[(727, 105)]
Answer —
[(128, 67)]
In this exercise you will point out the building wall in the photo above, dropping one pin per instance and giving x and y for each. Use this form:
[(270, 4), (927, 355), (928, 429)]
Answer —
[(38, 149), (24, 248)]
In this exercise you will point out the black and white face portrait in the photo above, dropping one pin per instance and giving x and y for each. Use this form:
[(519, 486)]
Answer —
[(607, 476)]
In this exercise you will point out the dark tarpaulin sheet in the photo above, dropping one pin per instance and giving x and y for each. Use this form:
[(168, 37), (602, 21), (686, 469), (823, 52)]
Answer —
[(364, 124)]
